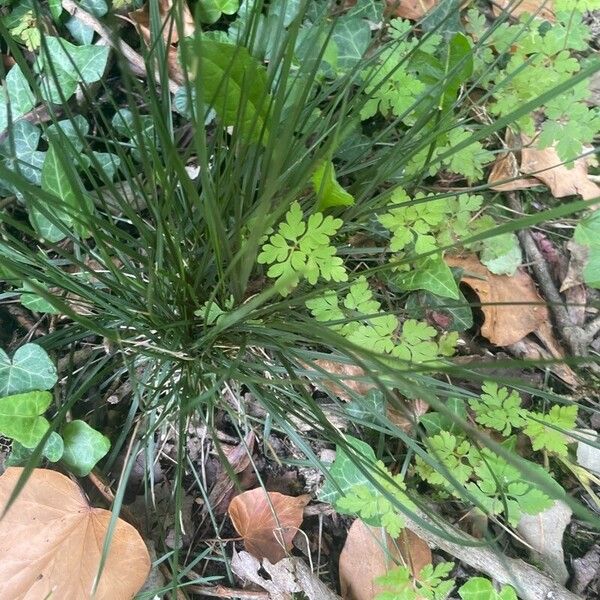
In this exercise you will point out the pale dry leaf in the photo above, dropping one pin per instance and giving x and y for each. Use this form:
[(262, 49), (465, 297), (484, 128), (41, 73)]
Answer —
[(511, 305), (407, 417), (505, 175), (577, 261), (544, 532), (588, 455), (353, 377), (410, 9), (166, 9), (546, 166), (363, 558), (267, 521), (543, 9), (51, 543)]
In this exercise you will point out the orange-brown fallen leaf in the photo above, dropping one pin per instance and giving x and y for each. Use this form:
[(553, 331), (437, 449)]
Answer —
[(511, 305), (545, 166), (363, 558), (544, 9), (268, 521), (51, 543), (506, 168), (406, 413), (410, 9), (168, 17), (352, 376)]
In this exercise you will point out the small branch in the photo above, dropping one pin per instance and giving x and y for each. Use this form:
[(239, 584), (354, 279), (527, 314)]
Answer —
[(135, 60), (220, 591)]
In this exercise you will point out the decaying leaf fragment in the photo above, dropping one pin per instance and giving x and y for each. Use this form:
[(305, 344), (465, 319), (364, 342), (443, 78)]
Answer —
[(363, 558), (268, 521), (543, 9), (410, 9), (166, 9), (505, 168), (51, 543), (511, 305)]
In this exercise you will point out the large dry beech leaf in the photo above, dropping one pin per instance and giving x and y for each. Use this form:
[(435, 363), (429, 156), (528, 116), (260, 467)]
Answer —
[(268, 521), (363, 558), (51, 543), (511, 305), (546, 166), (543, 9)]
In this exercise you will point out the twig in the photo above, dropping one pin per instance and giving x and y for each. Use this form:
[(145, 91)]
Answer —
[(135, 60), (577, 338), (530, 583), (220, 591)]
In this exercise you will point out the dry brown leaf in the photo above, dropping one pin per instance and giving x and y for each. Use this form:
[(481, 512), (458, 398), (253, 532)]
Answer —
[(51, 543), (544, 9), (363, 558), (268, 521), (141, 18), (505, 323), (410, 9), (504, 168), (407, 417), (353, 376), (545, 166)]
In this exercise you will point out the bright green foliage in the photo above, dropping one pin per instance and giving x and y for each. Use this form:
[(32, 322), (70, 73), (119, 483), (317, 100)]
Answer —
[(587, 233), (84, 447), (430, 584), (537, 62), (468, 161), (500, 487), (27, 31), (501, 254), (21, 417), (480, 588), (210, 11), (226, 70), (30, 369), (363, 323), (302, 250), (327, 188), (435, 422), (546, 430), (356, 493), (498, 408), (455, 454), (432, 274)]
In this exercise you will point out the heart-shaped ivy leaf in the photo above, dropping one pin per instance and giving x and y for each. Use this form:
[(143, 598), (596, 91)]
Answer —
[(84, 447), (53, 450), (30, 369), (21, 417)]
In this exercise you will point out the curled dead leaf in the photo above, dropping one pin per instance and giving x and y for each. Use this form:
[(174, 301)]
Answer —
[(363, 558), (543, 9), (511, 305), (168, 17), (51, 543), (267, 521), (410, 9), (505, 175)]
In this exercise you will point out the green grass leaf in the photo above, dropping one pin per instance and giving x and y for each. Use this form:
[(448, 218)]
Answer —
[(21, 417), (84, 447), (30, 369)]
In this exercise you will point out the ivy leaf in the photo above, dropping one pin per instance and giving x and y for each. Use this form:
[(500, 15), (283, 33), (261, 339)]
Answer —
[(30, 369), (82, 63), (84, 447), (84, 34), (432, 274), (480, 588), (327, 188), (31, 300), (352, 36), (21, 417), (225, 70), (435, 422), (19, 455), (457, 314), (27, 159), (501, 254), (18, 94), (545, 429), (210, 11), (587, 233)]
